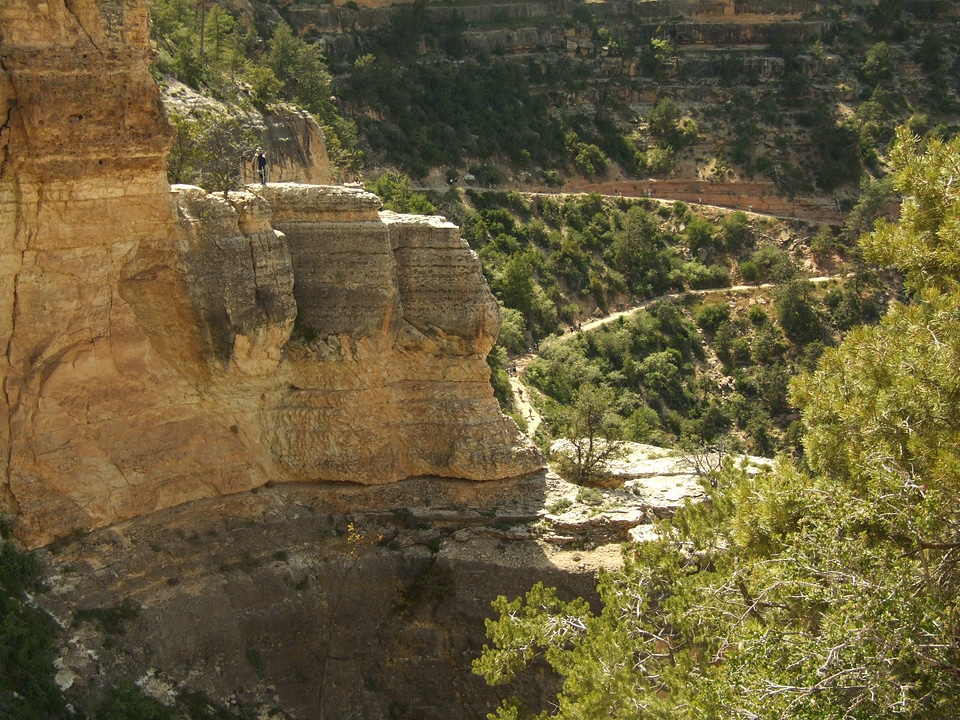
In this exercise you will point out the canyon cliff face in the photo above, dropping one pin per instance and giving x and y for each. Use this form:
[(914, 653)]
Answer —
[(292, 139), (164, 345)]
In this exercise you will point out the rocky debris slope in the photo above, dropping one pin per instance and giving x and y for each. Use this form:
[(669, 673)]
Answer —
[(297, 599), (151, 357)]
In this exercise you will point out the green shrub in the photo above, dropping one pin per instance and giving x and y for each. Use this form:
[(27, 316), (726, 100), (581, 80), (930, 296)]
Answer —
[(757, 316), (659, 160), (512, 330), (664, 120), (499, 379), (642, 426), (126, 702), (28, 638), (723, 338), (767, 346), (847, 309), (709, 317), (796, 314), (560, 506), (775, 264), (736, 230), (486, 175), (590, 159), (590, 496), (700, 234), (264, 87), (824, 244), (750, 271), (396, 191), (698, 276)]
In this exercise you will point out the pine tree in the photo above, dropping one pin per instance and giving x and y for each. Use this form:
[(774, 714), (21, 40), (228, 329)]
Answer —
[(825, 592)]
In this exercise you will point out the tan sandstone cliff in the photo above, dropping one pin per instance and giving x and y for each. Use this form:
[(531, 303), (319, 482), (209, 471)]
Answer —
[(151, 350)]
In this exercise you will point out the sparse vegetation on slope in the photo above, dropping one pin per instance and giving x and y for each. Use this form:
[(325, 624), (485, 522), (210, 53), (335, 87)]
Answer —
[(701, 368), (29, 645), (28, 639), (212, 50), (824, 591), (809, 104)]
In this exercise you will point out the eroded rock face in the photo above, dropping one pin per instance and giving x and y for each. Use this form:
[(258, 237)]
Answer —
[(293, 141), (309, 601), (149, 357), (390, 380)]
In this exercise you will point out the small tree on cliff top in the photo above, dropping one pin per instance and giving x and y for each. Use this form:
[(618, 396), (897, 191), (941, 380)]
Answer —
[(211, 150), (225, 149), (593, 431)]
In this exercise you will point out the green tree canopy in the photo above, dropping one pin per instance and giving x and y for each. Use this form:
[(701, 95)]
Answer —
[(592, 430), (398, 195), (823, 591), (300, 67), (664, 119)]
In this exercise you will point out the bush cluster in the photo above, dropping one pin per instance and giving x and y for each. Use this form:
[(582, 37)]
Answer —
[(665, 390)]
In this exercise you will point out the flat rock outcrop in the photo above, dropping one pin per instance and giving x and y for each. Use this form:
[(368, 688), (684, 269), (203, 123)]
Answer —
[(164, 345)]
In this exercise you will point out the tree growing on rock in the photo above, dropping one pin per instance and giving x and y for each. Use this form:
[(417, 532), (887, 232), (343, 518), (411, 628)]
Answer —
[(210, 150), (824, 592), (592, 429)]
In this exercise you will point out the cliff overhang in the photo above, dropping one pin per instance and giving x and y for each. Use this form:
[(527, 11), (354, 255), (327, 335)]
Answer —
[(165, 345)]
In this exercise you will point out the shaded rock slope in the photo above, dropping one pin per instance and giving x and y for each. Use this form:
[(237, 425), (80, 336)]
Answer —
[(339, 600)]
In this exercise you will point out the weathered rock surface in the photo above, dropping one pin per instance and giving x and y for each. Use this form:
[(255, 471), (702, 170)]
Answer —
[(303, 598), (650, 483), (311, 600), (299, 599), (293, 141), (149, 335)]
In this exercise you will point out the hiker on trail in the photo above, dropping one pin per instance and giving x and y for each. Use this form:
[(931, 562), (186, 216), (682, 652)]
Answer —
[(260, 162)]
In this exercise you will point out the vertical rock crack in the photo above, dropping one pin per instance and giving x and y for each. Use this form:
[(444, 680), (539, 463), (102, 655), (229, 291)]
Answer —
[(68, 6)]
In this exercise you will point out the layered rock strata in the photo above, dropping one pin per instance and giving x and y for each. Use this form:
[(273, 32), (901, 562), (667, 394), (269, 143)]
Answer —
[(151, 355), (538, 26)]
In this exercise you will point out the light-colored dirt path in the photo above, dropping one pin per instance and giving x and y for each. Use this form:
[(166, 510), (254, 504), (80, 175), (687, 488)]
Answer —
[(593, 324), (521, 396), (521, 393), (760, 198)]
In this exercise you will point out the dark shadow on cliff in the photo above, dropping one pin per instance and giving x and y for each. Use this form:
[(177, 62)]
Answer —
[(323, 601)]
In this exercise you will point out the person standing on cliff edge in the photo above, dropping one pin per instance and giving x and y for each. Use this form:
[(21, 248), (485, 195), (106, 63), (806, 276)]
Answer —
[(260, 162)]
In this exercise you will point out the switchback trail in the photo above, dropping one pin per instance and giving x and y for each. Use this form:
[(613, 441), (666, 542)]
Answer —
[(521, 393), (755, 197)]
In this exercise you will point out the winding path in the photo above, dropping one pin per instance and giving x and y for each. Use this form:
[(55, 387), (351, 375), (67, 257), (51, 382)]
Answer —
[(521, 393)]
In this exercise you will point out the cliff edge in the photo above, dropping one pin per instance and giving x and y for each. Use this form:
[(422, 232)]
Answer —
[(165, 345)]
